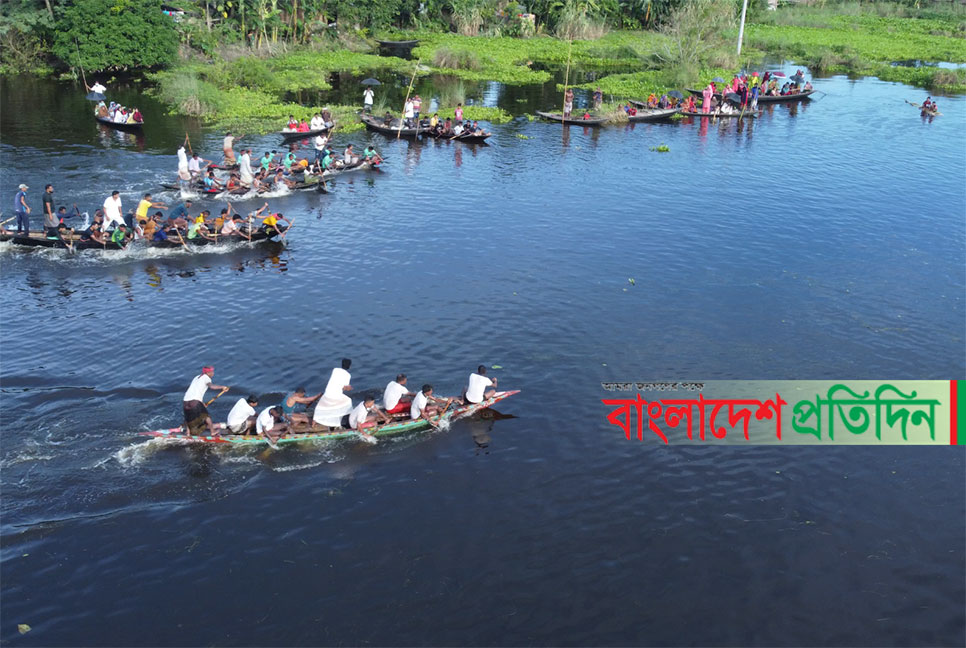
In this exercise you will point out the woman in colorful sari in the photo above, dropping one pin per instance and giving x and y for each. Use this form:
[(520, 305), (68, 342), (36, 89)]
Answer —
[(706, 95)]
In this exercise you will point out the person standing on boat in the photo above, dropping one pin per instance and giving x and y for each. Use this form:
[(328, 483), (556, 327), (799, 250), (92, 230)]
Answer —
[(269, 424), (417, 106), (228, 148), (367, 100), (50, 218), (245, 168), (568, 103), (458, 113), (321, 142), (334, 403), (425, 404), (22, 210), (141, 213), (478, 382), (184, 170), (396, 398), (598, 98), (706, 95), (195, 411), (112, 211), (408, 112), (292, 401)]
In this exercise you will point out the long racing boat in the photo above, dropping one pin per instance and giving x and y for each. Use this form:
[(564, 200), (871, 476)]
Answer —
[(322, 434)]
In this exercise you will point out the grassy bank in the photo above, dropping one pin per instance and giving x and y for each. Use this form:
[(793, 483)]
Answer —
[(858, 40)]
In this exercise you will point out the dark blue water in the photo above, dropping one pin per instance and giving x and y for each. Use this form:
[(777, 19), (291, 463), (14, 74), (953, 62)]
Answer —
[(826, 240)]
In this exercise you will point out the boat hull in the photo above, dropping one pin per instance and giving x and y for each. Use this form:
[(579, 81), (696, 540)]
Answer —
[(557, 117), (390, 429), (130, 128)]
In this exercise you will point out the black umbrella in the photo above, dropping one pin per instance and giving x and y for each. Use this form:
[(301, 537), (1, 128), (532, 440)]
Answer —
[(95, 96), (676, 94), (733, 96), (798, 78), (718, 80), (371, 82)]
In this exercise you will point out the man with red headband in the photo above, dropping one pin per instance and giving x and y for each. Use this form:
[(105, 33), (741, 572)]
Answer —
[(196, 416)]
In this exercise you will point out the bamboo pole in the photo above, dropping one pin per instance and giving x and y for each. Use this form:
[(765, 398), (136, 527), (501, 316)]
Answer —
[(563, 108), (411, 81)]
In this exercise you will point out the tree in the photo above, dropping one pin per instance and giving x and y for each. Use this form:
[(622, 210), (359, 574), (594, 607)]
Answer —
[(115, 34)]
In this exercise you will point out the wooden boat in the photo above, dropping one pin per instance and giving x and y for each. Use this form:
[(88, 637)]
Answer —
[(557, 117), (398, 44), (653, 114), (40, 239), (464, 137), (765, 98), (737, 115), (389, 429), (131, 128), (291, 136), (377, 125), (798, 96), (364, 165)]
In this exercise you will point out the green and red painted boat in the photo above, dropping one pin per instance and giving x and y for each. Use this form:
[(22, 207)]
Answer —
[(389, 429)]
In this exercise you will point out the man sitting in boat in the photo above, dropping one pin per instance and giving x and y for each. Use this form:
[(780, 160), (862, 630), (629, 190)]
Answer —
[(293, 407), (396, 399), (232, 227), (689, 105), (293, 124), (365, 413), (303, 126), (334, 403), (198, 229), (349, 157), (150, 225), (426, 405), (458, 129), (652, 100), (101, 110), (95, 233), (476, 130), (280, 180), (212, 185), (387, 119), (135, 117), (241, 418), (269, 424), (270, 223), (478, 382), (447, 129), (373, 158), (317, 123), (327, 118)]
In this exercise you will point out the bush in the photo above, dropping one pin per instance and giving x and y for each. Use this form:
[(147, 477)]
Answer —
[(115, 34), (457, 59)]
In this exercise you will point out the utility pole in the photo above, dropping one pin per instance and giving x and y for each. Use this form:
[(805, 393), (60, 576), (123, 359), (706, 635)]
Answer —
[(741, 30)]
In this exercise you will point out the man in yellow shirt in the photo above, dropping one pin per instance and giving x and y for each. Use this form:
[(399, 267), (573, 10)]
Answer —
[(141, 213)]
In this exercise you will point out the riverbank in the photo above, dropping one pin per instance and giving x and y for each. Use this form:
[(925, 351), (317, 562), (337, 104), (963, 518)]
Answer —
[(259, 90)]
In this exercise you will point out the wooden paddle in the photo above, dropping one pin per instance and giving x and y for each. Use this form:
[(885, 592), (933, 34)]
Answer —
[(181, 238), (217, 397), (290, 223), (7, 221), (439, 417)]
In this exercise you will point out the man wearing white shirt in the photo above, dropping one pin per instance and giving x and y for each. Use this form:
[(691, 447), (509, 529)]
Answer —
[(112, 211), (245, 168), (367, 99), (195, 411), (396, 398), (269, 425), (97, 87), (426, 405), (335, 404), (241, 418), (478, 383), (317, 123), (364, 414), (408, 112)]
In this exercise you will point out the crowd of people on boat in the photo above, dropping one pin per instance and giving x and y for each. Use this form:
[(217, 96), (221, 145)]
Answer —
[(118, 114), (320, 121), (331, 409)]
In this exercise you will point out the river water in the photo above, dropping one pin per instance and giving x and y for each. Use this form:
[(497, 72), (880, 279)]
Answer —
[(822, 241)]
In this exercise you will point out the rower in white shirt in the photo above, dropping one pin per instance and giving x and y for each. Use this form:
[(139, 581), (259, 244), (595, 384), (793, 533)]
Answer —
[(396, 398), (196, 415), (334, 403), (269, 425), (245, 168), (426, 405), (112, 211), (365, 413), (477, 384), (241, 418)]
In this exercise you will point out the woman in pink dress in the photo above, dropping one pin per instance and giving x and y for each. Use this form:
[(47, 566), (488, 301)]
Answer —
[(706, 95)]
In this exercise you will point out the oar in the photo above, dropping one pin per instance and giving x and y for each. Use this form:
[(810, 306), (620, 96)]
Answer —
[(440, 416), (181, 238), (290, 223), (188, 141), (217, 397), (7, 221)]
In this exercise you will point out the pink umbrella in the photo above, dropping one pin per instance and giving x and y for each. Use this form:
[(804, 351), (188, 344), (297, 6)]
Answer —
[(777, 74)]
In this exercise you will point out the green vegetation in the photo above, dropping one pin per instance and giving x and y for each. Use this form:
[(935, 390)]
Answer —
[(663, 148), (868, 40)]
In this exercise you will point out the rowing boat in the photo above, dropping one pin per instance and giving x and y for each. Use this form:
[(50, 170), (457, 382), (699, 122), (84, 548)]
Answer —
[(462, 137), (405, 43), (288, 135), (364, 165), (653, 114), (764, 98), (40, 239), (389, 429), (740, 114), (379, 126), (133, 128), (557, 117)]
